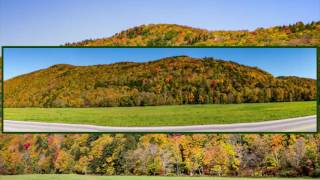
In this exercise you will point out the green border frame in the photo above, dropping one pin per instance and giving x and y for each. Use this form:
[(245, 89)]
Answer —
[(317, 88)]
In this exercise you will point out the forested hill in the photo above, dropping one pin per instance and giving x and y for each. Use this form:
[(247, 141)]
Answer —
[(177, 35), (172, 80)]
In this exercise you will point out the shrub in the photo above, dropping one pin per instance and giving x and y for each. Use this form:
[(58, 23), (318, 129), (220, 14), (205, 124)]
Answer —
[(316, 173), (289, 173)]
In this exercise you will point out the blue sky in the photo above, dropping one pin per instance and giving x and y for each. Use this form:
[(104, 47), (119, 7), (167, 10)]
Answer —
[(55, 22), (278, 61)]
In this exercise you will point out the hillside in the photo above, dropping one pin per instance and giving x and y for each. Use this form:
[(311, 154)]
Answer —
[(172, 80), (177, 35)]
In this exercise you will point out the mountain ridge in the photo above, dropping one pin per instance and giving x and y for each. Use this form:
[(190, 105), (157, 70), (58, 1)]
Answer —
[(152, 61), (171, 80), (181, 35)]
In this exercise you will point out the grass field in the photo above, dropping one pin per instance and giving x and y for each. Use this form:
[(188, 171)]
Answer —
[(165, 115), (86, 177)]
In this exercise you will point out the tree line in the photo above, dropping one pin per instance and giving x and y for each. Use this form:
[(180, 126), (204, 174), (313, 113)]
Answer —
[(161, 154)]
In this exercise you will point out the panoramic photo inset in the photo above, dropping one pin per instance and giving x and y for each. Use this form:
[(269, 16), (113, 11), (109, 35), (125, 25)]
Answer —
[(159, 89)]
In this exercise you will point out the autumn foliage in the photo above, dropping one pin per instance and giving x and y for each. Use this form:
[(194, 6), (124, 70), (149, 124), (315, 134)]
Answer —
[(154, 154), (172, 80), (197, 154), (177, 35)]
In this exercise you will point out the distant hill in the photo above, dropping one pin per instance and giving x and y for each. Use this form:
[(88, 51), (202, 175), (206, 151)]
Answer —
[(177, 35), (172, 80)]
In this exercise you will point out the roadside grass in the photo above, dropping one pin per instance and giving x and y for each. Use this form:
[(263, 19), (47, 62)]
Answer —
[(166, 115), (89, 177)]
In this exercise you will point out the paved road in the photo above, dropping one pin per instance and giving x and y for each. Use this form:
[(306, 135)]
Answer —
[(301, 124)]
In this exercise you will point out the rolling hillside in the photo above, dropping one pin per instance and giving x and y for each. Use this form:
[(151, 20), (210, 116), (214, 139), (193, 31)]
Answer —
[(177, 35), (167, 81)]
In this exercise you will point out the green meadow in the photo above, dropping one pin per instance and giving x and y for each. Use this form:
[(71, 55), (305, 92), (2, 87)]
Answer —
[(165, 115)]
